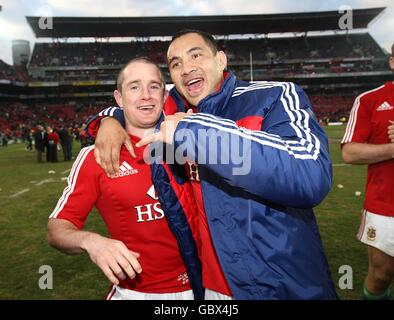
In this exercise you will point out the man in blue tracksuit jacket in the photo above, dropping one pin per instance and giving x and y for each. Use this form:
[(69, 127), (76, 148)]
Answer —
[(263, 162)]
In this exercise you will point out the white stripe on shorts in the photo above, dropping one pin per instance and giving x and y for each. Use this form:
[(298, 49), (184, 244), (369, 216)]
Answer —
[(126, 294)]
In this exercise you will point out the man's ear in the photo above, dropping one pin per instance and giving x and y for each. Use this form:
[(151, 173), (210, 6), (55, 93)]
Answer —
[(222, 60), (391, 62), (118, 98)]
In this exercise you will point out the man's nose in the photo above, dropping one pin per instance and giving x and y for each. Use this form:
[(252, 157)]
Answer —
[(188, 66), (145, 93)]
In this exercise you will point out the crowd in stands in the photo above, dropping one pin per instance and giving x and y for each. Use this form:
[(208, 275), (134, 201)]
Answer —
[(296, 55), (19, 121), (62, 61), (272, 58), (277, 50), (331, 107), (94, 54)]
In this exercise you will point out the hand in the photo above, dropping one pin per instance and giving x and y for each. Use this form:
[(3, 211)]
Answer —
[(112, 257), (110, 138), (390, 131), (167, 129)]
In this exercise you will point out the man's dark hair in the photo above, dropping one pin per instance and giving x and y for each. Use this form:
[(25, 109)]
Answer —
[(120, 78), (208, 38), (392, 50)]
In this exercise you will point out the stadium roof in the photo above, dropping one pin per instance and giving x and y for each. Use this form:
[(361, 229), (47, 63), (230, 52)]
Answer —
[(97, 27)]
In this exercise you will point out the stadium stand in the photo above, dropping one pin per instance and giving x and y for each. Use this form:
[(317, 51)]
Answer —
[(284, 56), (67, 81)]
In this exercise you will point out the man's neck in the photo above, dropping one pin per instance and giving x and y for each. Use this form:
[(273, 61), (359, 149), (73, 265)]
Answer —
[(139, 132)]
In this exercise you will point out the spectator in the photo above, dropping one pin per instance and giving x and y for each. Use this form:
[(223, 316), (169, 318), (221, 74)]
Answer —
[(52, 143), (39, 142)]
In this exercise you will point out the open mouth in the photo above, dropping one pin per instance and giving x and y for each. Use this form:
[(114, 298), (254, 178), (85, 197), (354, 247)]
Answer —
[(195, 86), (145, 108)]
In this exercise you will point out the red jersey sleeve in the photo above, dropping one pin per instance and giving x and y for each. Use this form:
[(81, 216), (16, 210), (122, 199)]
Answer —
[(81, 192), (359, 126)]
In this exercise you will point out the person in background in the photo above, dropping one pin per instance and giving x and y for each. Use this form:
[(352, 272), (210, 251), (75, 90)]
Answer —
[(52, 142), (369, 139), (39, 142)]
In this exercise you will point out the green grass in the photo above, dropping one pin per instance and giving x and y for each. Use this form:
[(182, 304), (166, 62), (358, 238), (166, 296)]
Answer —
[(23, 229), (23, 222)]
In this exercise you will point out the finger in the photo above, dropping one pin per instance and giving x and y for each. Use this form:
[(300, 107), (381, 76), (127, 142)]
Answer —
[(131, 257), (105, 157), (97, 156), (128, 260), (147, 140), (130, 148), (117, 270), (136, 254), (106, 162), (391, 121), (115, 154), (110, 275), (126, 266), (190, 111)]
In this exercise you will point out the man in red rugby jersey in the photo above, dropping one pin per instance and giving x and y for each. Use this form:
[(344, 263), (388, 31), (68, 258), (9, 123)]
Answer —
[(141, 257), (369, 139)]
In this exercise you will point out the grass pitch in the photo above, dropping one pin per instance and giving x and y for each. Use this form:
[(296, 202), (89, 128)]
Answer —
[(29, 193)]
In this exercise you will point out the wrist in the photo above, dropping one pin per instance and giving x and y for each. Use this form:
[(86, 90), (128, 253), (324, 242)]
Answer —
[(86, 240), (392, 149)]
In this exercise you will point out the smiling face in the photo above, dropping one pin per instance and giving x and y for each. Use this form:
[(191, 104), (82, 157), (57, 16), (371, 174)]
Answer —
[(141, 96), (195, 69)]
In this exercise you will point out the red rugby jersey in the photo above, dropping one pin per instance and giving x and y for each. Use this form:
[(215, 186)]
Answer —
[(368, 122), (131, 211), (212, 273)]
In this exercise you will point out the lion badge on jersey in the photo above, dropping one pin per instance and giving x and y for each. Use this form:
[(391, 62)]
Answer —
[(371, 233)]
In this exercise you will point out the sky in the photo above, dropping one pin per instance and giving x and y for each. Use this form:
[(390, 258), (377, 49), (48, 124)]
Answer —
[(13, 24)]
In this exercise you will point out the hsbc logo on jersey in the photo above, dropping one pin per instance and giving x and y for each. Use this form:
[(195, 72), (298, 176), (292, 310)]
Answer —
[(152, 211)]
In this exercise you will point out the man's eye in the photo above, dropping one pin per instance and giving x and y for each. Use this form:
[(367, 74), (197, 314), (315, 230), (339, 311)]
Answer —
[(134, 88), (175, 65), (196, 55)]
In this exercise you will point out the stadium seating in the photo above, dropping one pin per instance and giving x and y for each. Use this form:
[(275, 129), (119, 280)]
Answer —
[(271, 56), (15, 116)]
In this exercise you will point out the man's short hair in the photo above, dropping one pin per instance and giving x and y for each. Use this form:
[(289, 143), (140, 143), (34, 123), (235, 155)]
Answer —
[(120, 79), (208, 38), (392, 50)]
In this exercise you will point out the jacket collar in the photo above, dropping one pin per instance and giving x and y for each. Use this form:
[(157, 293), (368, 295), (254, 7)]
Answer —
[(213, 103)]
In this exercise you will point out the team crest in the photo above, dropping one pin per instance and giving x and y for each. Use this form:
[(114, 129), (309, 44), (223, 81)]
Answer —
[(371, 233)]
